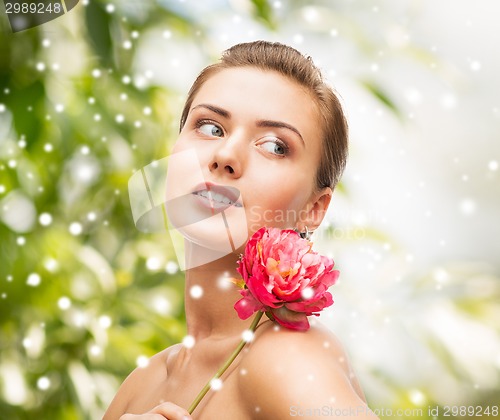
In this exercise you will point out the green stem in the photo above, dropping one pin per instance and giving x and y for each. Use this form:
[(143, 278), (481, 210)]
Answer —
[(224, 367)]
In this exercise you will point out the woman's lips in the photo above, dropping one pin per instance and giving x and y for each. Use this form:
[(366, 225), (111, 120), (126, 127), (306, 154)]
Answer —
[(217, 197)]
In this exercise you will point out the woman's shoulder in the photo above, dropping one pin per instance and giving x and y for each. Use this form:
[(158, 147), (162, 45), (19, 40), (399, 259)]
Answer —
[(310, 369), (153, 372), (318, 345), (156, 367)]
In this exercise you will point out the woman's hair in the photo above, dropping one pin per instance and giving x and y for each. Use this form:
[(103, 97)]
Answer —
[(289, 62)]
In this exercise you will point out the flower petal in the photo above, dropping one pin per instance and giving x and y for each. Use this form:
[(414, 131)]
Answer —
[(247, 305), (290, 319)]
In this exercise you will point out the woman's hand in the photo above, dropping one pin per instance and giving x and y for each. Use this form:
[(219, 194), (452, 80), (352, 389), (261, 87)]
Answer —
[(163, 411)]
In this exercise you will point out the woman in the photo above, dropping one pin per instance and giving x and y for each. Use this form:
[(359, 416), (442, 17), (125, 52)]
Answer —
[(264, 124)]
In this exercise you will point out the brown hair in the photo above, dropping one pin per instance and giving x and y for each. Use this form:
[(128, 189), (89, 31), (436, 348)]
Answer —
[(289, 62)]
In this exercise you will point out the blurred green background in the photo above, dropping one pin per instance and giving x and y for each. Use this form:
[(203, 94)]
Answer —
[(93, 96)]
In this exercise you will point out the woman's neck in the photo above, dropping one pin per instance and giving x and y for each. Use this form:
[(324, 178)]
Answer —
[(210, 296)]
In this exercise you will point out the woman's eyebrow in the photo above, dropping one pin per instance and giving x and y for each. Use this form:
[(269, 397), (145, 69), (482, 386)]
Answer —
[(280, 124), (216, 109), (261, 123)]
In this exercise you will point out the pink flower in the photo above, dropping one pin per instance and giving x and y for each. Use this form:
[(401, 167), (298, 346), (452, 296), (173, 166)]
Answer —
[(284, 277)]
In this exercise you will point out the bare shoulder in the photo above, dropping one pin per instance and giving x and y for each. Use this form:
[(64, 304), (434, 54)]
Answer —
[(310, 368), (316, 345), (153, 373)]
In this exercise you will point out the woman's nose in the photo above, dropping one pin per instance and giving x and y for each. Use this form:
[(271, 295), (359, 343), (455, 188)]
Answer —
[(228, 156)]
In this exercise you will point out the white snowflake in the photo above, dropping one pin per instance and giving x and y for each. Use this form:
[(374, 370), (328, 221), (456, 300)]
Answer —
[(307, 293), (188, 341), (247, 336), (50, 264), (45, 219), (216, 384), (298, 39), (85, 171), (417, 397), (171, 267), (161, 305), (467, 206), (95, 350), (43, 383), (142, 361), (196, 291), (224, 282), (475, 65), (75, 228), (64, 303), (27, 343), (104, 322), (34, 280), (153, 263)]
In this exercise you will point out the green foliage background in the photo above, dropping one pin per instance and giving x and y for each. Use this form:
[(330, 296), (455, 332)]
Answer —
[(84, 350)]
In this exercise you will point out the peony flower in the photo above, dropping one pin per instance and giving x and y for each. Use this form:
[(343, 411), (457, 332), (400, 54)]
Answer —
[(285, 278)]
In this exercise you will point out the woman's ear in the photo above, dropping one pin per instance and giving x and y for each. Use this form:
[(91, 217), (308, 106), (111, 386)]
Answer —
[(316, 209)]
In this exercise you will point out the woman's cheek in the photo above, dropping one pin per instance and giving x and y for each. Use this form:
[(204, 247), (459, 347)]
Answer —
[(271, 214)]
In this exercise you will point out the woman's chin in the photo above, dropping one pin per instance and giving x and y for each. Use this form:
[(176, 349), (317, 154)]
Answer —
[(221, 233), (213, 239)]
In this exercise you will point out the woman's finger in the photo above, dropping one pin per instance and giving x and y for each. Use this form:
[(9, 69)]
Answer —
[(147, 416), (171, 411), (163, 411)]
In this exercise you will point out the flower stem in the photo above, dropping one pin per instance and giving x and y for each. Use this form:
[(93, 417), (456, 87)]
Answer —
[(224, 367)]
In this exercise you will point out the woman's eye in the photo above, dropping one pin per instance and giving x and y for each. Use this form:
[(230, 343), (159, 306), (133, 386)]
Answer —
[(211, 130), (276, 147)]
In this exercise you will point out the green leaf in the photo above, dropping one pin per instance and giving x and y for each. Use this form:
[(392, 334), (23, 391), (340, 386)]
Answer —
[(380, 94), (98, 30), (26, 105), (263, 11)]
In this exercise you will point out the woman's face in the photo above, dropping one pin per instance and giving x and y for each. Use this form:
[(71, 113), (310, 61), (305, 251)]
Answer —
[(257, 138)]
